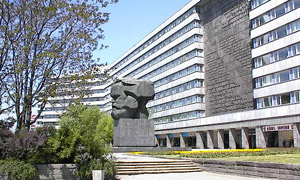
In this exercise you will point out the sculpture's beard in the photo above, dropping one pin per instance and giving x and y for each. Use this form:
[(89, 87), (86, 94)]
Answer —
[(124, 108), (118, 113)]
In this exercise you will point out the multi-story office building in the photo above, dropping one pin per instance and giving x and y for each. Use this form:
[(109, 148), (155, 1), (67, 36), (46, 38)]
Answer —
[(226, 74), (97, 94)]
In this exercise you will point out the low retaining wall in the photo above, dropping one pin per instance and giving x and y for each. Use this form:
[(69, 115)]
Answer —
[(256, 169), (57, 172)]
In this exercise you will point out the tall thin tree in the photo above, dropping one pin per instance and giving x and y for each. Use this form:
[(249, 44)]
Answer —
[(41, 43)]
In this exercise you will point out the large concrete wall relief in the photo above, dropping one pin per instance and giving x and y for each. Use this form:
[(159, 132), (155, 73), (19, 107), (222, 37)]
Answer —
[(228, 67)]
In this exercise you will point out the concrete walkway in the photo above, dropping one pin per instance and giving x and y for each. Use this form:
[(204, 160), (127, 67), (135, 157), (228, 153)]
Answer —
[(175, 176)]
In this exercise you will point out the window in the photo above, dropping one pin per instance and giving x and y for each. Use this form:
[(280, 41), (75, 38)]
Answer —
[(267, 80), (285, 98), (297, 96), (284, 76), (277, 34), (281, 32), (267, 102), (288, 6), (272, 15), (272, 37), (296, 4), (280, 11), (256, 3), (291, 51)]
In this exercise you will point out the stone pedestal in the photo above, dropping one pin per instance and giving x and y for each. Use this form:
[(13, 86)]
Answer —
[(134, 133)]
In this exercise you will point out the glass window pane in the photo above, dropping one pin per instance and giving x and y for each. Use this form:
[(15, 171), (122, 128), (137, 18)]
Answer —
[(267, 80), (297, 25), (281, 32), (271, 14), (297, 95), (280, 11), (284, 76), (285, 99), (267, 102), (297, 4), (264, 18), (266, 59), (298, 48), (283, 54)]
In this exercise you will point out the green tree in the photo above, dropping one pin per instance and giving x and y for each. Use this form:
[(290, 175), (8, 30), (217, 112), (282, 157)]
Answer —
[(41, 43), (83, 138)]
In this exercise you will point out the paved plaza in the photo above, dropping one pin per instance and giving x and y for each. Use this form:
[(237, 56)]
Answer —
[(187, 176), (175, 176)]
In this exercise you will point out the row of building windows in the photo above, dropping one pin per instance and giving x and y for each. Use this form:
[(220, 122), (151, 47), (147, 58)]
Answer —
[(277, 34), (50, 116), (158, 35), (279, 77), (275, 13), (277, 100), (160, 58), (160, 46), (87, 92), (179, 74), (172, 64), (278, 55), (67, 101), (256, 3), (99, 83), (178, 103), (184, 44), (180, 117), (55, 109), (64, 108), (177, 89), (98, 91), (47, 123)]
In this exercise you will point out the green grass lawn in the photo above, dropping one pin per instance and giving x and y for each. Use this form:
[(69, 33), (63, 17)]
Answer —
[(272, 155), (279, 158)]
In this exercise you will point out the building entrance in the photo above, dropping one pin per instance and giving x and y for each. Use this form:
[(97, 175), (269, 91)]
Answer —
[(279, 135), (272, 139)]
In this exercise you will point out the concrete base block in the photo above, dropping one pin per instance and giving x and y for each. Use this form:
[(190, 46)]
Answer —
[(98, 174), (134, 133)]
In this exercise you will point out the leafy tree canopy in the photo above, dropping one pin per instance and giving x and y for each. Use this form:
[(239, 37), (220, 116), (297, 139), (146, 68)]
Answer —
[(81, 126), (46, 45), (84, 137)]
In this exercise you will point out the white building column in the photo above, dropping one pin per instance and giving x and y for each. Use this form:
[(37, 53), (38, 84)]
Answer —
[(260, 138), (232, 138), (245, 138), (156, 141), (296, 135), (168, 141), (182, 143), (199, 140), (220, 136), (210, 139)]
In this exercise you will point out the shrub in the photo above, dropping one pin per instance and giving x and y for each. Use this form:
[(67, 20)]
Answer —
[(82, 138), (17, 170), (19, 145)]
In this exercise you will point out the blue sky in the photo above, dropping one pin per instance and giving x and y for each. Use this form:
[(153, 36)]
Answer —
[(132, 20)]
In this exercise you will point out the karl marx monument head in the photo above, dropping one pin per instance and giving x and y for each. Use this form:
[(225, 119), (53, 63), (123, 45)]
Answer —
[(129, 98)]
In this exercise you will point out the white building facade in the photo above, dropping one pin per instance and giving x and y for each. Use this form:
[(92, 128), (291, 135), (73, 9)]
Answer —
[(226, 75)]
